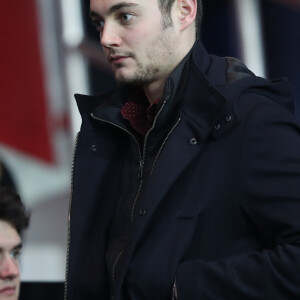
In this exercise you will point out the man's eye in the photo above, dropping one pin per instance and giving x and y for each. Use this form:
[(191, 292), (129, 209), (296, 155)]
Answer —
[(99, 25), (15, 254), (125, 17)]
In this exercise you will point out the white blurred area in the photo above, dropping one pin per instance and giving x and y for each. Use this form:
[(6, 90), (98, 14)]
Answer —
[(46, 190), (44, 187), (248, 17)]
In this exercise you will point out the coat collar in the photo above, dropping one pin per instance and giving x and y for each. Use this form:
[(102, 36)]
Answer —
[(197, 58)]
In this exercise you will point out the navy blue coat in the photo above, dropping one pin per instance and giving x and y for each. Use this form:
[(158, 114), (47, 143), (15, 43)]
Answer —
[(219, 212)]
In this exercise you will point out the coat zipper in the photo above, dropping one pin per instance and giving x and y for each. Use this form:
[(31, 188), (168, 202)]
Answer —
[(163, 144), (143, 161), (139, 188), (69, 220), (114, 266), (141, 168), (115, 125)]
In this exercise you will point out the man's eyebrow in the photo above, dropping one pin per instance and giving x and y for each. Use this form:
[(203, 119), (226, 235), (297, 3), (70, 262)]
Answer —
[(93, 15), (17, 247), (114, 8)]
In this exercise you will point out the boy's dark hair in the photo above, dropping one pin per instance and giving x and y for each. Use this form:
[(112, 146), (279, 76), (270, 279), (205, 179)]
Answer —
[(165, 7), (12, 210), (6, 178)]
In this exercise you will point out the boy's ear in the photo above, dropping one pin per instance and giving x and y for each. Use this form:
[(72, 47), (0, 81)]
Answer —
[(187, 10)]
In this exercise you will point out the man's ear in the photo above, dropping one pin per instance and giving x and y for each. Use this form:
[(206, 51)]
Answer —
[(187, 11)]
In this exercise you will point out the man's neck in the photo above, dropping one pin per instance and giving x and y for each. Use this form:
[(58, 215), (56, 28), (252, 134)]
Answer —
[(154, 90)]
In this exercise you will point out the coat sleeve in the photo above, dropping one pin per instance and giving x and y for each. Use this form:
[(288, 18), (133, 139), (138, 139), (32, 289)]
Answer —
[(270, 183)]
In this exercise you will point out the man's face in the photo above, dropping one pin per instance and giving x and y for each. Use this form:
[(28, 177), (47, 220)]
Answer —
[(138, 47), (10, 246)]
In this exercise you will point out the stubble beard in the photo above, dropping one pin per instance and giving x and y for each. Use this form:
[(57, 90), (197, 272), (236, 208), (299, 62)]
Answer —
[(146, 73)]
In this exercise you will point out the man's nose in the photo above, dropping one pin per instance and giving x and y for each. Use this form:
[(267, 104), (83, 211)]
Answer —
[(110, 37), (9, 267)]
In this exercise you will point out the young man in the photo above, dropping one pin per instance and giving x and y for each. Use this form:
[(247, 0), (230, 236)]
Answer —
[(186, 182), (13, 220)]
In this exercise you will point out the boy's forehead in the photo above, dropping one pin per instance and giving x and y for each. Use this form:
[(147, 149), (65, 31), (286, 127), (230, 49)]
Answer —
[(9, 236)]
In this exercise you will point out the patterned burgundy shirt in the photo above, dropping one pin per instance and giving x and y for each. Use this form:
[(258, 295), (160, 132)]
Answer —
[(140, 113)]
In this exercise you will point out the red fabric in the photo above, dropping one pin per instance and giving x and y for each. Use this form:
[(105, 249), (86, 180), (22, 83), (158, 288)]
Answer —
[(24, 120), (139, 113)]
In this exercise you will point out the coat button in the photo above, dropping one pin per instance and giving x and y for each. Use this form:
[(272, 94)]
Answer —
[(142, 212), (217, 127), (94, 148), (193, 141), (228, 118)]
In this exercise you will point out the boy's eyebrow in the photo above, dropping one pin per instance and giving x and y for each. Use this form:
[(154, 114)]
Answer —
[(114, 8), (19, 246)]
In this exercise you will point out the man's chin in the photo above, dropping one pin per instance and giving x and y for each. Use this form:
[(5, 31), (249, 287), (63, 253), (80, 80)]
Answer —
[(132, 80), (123, 77)]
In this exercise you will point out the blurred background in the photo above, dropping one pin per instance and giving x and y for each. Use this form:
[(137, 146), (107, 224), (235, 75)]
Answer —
[(49, 51)]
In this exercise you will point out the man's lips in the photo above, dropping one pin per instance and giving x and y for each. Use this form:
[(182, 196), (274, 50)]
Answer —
[(10, 290), (117, 58)]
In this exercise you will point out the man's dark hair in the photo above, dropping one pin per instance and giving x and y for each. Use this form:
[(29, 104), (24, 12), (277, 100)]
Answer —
[(165, 7), (12, 210)]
